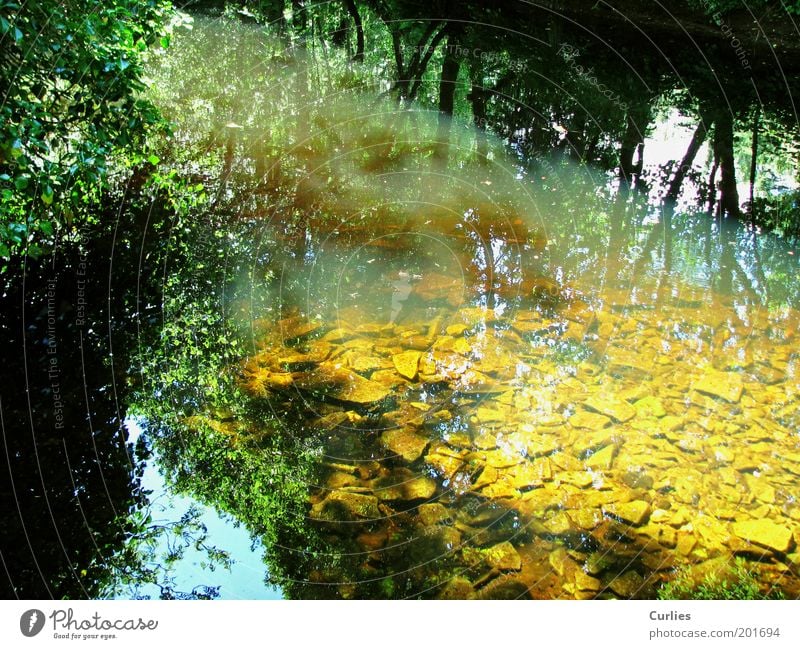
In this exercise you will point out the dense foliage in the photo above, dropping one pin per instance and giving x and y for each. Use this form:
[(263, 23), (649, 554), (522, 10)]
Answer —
[(70, 74)]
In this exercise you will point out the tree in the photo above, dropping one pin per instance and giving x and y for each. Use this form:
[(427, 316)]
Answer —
[(70, 77)]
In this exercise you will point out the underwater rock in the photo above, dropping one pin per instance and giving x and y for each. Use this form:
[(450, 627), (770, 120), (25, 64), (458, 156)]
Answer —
[(445, 459), (619, 411), (405, 443), (297, 327), (590, 420), (634, 512), (503, 556), (602, 459), (587, 518), (433, 513), (627, 585), (330, 380), (725, 385), (346, 506), (407, 364), (584, 582), (457, 588), (765, 533)]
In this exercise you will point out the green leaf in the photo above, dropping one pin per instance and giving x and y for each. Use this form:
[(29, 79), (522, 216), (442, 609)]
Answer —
[(47, 195), (164, 40), (21, 182), (46, 227), (153, 159)]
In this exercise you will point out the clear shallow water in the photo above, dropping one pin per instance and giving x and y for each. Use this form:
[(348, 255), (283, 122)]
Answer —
[(244, 578), (572, 438), (469, 378)]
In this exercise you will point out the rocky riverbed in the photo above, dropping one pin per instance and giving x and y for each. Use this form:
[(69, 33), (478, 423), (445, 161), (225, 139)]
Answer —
[(581, 451)]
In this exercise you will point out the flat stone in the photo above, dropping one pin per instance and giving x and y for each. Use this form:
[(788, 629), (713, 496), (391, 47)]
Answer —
[(342, 384), (559, 524), (297, 327), (590, 420), (765, 533), (346, 505), (461, 346), (586, 519), (634, 512), (503, 556), (433, 513), (686, 543), (602, 459), (368, 363), (488, 476), (650, 407), (501, 489), (542, 446), (532, 474), (584, 582), (456, 329), (560, 562), (580, 479), (619, 411), (622, 361), (457, 588), (407, 364), (420, 488), (725, 385), (627, 585), (489, 415), (447, 461), (405, 443)]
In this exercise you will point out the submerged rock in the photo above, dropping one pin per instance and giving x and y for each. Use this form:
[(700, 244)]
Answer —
[(766, 534), (725, 385), (627, 585), (619, 411), (405, 443), (407, 364), (330, 380), (342, 506), (590, 420), (634, 513)]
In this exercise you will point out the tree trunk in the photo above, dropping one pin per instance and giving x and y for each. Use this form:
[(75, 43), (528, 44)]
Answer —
[(723, 151), (698, 138), (754, 157), (477, 97), (635, 126), (447, 83), (447, 95), (352, 9), (712, 184)]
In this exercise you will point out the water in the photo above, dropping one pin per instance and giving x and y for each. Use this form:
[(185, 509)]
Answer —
[(404, 368), (578, 441)]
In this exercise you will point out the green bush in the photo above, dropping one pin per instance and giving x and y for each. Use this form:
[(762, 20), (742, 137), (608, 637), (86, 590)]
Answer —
[(734, 581)]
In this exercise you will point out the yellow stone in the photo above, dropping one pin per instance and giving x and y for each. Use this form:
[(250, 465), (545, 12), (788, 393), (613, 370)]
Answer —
[(584, 582), (725, 385), (765, 533), (590, 420), (407, 364), (633, 513), (618, 410), (461, 346), (602, 459), (405, 443), (456, 329), (581, 479)]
